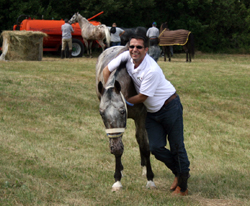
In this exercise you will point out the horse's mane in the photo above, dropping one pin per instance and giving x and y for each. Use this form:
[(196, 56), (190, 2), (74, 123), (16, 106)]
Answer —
[(82, 18), (115, 73)]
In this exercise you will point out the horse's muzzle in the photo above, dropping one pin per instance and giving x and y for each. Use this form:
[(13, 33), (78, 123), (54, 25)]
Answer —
[(115, 140), (116, 146)]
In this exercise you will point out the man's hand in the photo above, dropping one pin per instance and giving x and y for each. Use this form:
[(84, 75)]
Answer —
[(139, 98), (106, 74)]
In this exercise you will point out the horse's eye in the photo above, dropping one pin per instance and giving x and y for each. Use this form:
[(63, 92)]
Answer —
[(122, 111)]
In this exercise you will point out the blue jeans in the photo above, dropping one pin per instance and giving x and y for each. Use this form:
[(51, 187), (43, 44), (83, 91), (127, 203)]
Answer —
[(165, 124), (115, 43)]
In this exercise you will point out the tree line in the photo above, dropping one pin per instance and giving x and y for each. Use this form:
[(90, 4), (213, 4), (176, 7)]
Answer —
[(217, 25)]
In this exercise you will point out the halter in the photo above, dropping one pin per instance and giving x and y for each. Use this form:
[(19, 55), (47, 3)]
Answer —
[(120, 131)]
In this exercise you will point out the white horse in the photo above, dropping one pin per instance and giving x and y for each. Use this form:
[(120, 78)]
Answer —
[(91, 32)]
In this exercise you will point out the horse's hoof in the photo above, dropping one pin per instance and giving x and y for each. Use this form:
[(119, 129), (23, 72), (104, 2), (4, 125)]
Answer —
[(117, 186), (151, 185)]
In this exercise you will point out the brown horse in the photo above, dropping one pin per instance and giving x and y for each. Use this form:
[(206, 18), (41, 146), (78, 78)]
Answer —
[(91, 32), (181, 37)]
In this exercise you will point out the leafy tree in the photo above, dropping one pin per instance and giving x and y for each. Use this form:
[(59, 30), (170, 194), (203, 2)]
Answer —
[(218, 26)]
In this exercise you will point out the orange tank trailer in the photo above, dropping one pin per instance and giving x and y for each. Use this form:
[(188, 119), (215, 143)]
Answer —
[(53, 29)]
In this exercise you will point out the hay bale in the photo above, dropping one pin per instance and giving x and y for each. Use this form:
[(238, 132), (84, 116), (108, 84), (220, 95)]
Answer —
[(22, 45)]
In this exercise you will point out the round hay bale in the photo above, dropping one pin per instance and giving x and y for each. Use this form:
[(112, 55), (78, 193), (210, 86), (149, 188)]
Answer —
[(22, 45)]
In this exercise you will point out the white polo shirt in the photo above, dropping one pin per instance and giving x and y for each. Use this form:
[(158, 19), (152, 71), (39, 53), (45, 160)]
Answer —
[(152, 32), (148, 79)]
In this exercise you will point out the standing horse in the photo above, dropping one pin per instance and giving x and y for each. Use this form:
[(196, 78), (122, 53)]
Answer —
[(114, 113), (125, 37), (129, 32), (91, 32), (176, 37)]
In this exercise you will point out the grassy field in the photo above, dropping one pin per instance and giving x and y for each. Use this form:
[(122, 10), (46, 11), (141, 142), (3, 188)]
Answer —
[(54, 150)]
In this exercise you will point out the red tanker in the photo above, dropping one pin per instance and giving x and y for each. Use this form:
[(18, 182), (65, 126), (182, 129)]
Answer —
[(53, 29)]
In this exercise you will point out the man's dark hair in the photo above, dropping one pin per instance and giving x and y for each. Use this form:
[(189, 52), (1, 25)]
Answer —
[(144, 38), (66, 20)]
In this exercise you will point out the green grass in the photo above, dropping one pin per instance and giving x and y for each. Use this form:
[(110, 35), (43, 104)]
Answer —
[(54, 150)]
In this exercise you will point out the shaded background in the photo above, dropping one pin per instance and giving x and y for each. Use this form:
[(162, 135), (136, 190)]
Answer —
[(218, 26)]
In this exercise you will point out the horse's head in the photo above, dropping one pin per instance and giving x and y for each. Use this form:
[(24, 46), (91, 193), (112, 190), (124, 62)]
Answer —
[(164, 26), (113, 111), (141, 31), (126, 36), (74, 18)]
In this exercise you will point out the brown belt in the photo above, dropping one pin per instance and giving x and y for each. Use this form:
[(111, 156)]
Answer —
[(170, 99)]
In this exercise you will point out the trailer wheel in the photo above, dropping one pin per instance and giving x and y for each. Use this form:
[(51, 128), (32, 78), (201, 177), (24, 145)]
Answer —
[(77, 48)]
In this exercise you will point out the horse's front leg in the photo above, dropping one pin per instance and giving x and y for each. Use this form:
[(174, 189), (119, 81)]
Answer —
[(164, 52), (118, 173), (168, 52), (117, 148)]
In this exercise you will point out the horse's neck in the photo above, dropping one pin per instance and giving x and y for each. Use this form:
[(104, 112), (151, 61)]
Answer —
[(82, 21), (164, 29)]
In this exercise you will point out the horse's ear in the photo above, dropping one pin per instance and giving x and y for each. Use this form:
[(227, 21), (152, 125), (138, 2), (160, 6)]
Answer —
[(117, 87), (100, 88)]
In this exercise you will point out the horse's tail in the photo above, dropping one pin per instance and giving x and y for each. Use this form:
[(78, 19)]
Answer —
[(107, 34), (191, 44)]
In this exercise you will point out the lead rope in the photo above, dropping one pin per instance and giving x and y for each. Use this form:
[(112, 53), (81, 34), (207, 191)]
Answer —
[(110, 132)]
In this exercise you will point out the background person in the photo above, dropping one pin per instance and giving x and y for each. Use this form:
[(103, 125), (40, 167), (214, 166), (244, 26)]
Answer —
[(164, 110), (115, 33), (154, 49), (66, 38), (153, 34)]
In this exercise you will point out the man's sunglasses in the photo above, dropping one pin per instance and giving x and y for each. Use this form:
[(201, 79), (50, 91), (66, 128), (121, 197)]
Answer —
[(138, 47)]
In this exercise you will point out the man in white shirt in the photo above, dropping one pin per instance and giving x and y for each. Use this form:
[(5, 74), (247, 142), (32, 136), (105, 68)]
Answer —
[(164, 109), (152, 34), (66, 38)]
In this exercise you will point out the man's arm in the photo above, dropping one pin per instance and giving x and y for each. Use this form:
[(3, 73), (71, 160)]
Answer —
[(147, 34), (139, 98), (106, 74), (121, 33)]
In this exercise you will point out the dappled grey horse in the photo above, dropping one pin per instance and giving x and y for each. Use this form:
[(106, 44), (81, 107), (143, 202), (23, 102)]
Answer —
[(114, 113), (90, 32)]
